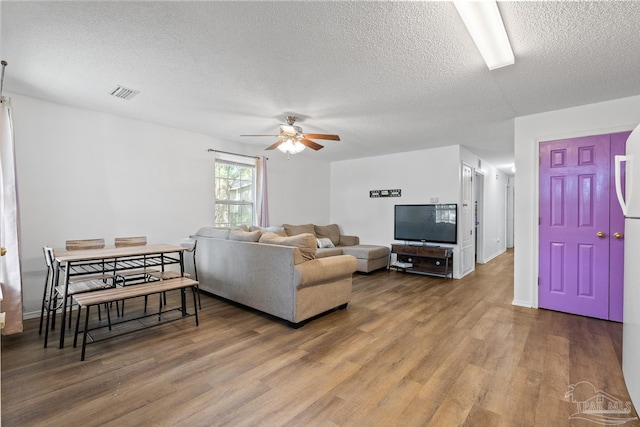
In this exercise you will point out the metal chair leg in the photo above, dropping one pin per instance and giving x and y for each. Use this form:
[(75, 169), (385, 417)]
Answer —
[(75, 335), (84, 335), (44, 300)]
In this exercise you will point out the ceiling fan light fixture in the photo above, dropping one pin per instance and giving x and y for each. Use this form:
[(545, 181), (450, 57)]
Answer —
[(291, 146), (291, 139), (484, 23)]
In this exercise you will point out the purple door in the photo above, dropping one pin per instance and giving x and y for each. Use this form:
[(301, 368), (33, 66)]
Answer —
[(616, 233), (574, 226)]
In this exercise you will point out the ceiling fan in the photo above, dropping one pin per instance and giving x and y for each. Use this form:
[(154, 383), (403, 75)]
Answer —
[(292, 140)]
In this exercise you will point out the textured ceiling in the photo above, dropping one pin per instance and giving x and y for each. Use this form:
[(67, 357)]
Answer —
[(385, 76)]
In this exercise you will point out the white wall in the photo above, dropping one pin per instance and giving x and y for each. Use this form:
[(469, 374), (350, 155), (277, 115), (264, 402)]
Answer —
[(420, 175), (83, 174), (593, 119)]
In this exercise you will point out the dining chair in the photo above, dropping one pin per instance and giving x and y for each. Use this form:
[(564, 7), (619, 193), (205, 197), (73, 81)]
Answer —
[(135, 275), (48, 282), (83, 244), (190, 246), (136, 272), (53, 294)]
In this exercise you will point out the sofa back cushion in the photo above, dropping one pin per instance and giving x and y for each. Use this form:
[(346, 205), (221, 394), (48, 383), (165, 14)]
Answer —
[(331, 231), (294, 230), (305, 242), (216, 233), (244, 236)]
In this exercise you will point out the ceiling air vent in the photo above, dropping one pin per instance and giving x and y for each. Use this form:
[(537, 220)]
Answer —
[(124, 93)]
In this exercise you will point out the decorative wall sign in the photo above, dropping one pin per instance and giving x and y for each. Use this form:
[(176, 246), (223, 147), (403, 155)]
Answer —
[(385, 193)]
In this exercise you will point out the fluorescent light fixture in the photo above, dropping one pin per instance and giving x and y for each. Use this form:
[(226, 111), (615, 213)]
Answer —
[(485, 25)]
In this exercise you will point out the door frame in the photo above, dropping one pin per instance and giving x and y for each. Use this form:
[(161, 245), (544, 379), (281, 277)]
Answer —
[(466, 226), (478, 190)]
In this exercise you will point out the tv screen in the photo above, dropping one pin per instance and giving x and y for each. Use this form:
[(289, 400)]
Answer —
[(426, 223)]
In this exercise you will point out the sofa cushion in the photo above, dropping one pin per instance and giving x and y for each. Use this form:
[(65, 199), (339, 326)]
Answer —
[(244, 236), (294, 230), (325, 242), (305, 242), (274, 229), (331, 231), (327, 252), (349, 240), (216, 233), (366, 251), (321, 271)]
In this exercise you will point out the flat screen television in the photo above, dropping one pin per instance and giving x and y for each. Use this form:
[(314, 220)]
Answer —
[(426, 223)]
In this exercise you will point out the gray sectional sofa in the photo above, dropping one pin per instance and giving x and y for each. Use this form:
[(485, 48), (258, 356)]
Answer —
[(274, 274), (281, 270)]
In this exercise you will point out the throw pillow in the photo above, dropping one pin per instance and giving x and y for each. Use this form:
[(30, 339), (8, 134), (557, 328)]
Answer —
[(305, 242), (325, 242), (331, 231), (293, 230), (244, 236)]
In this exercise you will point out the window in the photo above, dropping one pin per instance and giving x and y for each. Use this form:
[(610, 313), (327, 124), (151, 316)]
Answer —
[(234, 193)]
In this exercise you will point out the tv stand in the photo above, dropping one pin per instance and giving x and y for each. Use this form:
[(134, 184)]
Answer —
[(431, 260), (424, 244)]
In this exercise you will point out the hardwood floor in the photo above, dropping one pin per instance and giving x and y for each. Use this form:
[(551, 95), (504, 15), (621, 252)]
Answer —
[(409, 350)]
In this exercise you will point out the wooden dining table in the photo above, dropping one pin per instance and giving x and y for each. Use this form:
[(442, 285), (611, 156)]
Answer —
[(75, 264)]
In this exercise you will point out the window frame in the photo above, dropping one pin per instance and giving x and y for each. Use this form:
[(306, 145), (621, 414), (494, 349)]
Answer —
[(229, 203)]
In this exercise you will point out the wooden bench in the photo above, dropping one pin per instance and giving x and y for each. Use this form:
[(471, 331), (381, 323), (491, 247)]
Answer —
[(89, 299)]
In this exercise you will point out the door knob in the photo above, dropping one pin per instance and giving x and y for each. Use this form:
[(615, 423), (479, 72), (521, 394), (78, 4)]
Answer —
[(600, 234), (3, 251), (618, 235)]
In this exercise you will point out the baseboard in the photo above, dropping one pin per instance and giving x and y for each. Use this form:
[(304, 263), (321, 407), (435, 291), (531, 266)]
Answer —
[(31, 315), (526, 304), (497, 254)]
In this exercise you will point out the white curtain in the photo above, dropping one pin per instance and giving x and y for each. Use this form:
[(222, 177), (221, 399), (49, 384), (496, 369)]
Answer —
[(10, 269), (262, 204)]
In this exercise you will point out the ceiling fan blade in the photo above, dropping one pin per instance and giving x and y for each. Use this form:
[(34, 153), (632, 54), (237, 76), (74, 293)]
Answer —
[(311, 144), (275, 136), (321, 136), (275, 145)]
